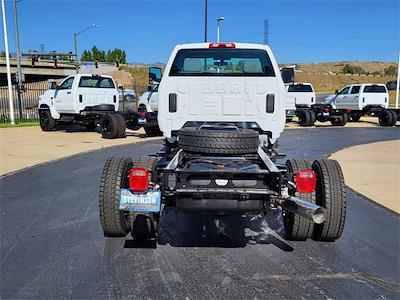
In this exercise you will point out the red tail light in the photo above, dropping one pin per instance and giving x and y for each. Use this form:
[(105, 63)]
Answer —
[(306, 181), (142, 115), (221, 45), (139, 179)]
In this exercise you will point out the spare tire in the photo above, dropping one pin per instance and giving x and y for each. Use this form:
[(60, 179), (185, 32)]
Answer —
[(217, 141)]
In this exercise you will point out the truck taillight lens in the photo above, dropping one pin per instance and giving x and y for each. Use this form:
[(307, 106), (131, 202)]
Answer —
[(306, 181), (221, 45), (139, 179)]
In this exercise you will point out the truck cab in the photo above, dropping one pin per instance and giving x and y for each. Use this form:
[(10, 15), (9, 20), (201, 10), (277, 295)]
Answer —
[(222, 82), (303, 93), (359, 96)]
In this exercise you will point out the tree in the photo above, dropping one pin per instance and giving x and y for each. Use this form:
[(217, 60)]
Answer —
[(86, 55), (390, 71), (350, 69), (96, 54), (2, 53)]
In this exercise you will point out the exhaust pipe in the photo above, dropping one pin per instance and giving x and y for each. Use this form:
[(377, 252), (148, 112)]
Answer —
[(305, 209)]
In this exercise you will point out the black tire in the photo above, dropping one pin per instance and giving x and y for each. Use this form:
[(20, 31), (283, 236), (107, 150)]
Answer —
[(122, 126), (313, 117), (354, 118), (114, 177), (341, 120), (218, 141), (387, 118), (306, 118), (395, 117), (153, 131), (297, 228), (330, 194), (145, 226), (110, 126), (47, 123)]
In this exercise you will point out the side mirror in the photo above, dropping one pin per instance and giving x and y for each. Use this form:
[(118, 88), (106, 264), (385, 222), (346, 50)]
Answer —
[(287, 75), (53, 85), (121, 87), (155, 75), (336, 92)]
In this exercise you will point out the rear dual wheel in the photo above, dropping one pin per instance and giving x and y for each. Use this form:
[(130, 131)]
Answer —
[(387, 118), (330, 194), (306, 118), (340, 120), (297, 228), (115, 176), (112, 126)]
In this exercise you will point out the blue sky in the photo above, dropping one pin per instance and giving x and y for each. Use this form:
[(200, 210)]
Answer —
[(300, 31)]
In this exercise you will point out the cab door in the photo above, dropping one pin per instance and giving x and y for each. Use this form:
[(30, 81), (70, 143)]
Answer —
[(353, 97), (64, 97), (341, 98)]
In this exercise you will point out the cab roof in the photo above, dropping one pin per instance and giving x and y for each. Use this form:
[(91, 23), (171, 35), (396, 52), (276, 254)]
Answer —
[(232, 45)]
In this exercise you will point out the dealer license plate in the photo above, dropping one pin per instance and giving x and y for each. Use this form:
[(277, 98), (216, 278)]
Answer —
[(146, 202)]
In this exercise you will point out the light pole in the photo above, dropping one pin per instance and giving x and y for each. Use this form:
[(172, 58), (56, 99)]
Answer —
[(10, 95), (398, 84), (18, 52), (219, 19), (205, 20), (76, 44)]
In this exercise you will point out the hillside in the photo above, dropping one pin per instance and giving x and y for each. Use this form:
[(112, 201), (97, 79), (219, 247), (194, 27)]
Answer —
[(326, 77), (336, 67)]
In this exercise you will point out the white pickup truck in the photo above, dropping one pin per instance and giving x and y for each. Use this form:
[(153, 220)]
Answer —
[(80, 98), (221, 109), (371, 99), (302, 92)]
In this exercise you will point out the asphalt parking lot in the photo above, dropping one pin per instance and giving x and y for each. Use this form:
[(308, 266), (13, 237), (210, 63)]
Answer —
[(52, 244)]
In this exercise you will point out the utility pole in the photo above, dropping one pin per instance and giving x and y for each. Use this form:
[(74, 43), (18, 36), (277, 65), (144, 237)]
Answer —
[(19, 72), (266, 31), (10, 95), (205, 20)]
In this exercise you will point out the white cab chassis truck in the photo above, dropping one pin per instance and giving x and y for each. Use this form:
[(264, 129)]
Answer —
[(92, 101), (299, 95), (221, 109), (370, 99), (350, 104), (82, 98)]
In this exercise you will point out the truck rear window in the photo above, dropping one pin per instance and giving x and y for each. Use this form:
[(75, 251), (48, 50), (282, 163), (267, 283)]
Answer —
[(96, 82), (222, 62), (374, 89), (300, 88)]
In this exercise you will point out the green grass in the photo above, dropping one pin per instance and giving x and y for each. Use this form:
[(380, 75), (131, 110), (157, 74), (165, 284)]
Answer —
[(24, 123)]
